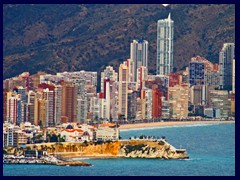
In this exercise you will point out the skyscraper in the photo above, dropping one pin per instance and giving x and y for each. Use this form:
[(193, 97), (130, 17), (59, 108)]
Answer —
[(123, 90), (165, 46), (139, 55), (226, 56), (69, 102)]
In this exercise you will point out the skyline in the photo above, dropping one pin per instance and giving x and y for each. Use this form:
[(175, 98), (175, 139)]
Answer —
[(116, 99)]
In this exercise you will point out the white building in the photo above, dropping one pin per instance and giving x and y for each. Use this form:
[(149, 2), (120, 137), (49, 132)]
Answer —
[(72, 135), (82, 110), (58, 104), (165, 46), (107, 131), (139, 55)]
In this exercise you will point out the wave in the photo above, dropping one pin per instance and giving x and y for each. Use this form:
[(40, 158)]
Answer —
[(161, 127), (79, 158)]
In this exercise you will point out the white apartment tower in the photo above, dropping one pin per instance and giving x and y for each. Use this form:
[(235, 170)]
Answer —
[(139, 55), (226, 56), (165, 46)]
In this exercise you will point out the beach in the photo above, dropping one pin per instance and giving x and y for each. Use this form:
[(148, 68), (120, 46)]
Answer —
[(171, 123)]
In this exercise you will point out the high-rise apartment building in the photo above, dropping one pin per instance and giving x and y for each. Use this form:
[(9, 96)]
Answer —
[(139, 55), (226, 56), (108, 73), (178, 101), (58, 104), (123, 90), (50, 107), (233, 76), (165, 46), (69, 102), (196, 73), (142, 76), (12, 109)]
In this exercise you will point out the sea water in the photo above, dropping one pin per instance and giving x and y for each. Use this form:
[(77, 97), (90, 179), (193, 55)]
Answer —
[(211, 149)]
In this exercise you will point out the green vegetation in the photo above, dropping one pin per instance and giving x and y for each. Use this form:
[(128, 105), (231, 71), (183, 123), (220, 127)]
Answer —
[(130, 148)]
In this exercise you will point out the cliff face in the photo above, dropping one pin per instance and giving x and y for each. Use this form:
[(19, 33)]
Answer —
[(125, 149)]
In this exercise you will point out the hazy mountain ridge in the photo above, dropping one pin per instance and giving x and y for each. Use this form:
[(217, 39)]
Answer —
[(57, 38)]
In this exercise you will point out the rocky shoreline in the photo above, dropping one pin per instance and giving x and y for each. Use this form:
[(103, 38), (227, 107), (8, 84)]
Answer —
[(155, 149), (50, 160)]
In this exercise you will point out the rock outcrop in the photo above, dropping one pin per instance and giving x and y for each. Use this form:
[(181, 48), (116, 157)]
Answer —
[(162, 149)]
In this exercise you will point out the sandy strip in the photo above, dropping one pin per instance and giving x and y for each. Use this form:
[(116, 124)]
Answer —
[(175, 123)]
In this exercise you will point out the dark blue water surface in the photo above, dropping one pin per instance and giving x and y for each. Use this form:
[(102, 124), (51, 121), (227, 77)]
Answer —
[(211, 149)]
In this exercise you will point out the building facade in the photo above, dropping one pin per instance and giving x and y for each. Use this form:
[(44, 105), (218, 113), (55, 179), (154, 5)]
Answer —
[(226, 56), (139, 55), (165, 46)]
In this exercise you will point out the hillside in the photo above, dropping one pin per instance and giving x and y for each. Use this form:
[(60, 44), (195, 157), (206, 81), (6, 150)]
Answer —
[(56, 38)]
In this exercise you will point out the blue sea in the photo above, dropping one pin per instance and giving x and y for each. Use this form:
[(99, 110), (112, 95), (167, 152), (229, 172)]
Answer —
[(211, 149)]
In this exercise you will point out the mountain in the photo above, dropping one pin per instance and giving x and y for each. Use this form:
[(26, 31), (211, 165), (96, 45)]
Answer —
[(72, 37)]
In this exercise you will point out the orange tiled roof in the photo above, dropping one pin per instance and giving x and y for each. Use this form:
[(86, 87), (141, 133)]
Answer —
[(73, 130), (108, 124)]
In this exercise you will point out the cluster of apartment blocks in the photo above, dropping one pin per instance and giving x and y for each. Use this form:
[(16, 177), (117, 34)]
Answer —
[(131, 94), (72, 96)]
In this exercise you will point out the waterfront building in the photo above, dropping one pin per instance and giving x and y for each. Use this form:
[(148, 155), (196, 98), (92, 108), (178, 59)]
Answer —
[(138, 55), (233, 76), (178, 101), (199, 94), (165, 109), (107, 131), (72, 135), (212, 113), (165, 46), (156, 103), (123, 90), (220, 99), (226, 57), (232, 96)]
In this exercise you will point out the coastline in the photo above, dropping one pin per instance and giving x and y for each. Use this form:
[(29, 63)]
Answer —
[(171, 123)]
